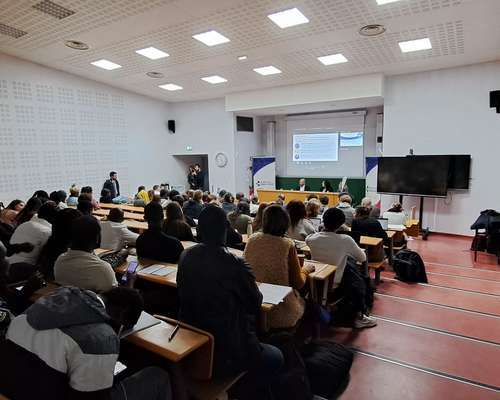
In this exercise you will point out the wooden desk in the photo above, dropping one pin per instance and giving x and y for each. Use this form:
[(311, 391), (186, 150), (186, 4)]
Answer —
[(370, 241), (136, 225), (322, 273), (268, 196), (124, 207), (127, 215)]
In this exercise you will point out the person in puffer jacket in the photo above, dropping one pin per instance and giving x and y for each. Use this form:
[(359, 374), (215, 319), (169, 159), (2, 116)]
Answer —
[(66, 345)]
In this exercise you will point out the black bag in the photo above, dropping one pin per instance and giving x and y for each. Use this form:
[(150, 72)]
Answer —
[(409, 267), (292, 383), (328, 365)]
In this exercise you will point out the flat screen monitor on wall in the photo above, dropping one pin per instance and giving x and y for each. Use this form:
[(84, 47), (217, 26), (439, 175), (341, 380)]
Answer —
[(418, 176)]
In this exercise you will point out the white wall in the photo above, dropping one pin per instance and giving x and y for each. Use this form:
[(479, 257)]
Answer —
[(57, 129), (446, 112), (207, 128), (282, 148)]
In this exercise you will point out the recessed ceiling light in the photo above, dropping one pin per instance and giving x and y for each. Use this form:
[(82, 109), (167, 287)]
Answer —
[(287, 18), (214, 79), (333, 59), (415, 45), (105, 64), (152, 53), (211, 38), (155, 75), (76, 45), (269, 70), (172, 87), (242, 58), (382, 2), (372, 30)]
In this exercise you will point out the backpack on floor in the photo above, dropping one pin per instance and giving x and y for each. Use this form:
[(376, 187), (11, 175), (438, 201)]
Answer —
[(292, 382), (328, 365), (409, 267)]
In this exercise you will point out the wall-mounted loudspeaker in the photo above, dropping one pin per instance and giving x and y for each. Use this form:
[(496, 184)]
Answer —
[(379, 139), (495, 100), (171, 126)]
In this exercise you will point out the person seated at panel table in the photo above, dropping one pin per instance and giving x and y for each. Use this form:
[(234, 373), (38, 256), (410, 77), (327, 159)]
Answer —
[(396, 215), (114, 233), (345, 206), (79, 266), (326, 186), (240, 218), (74, 192), (36, 231), (69, 342), (218, 293), (175, 225), (333, 248), (155, 244), (192, 208), (300, 226), (58, 242), (374, 211), (302, 186), (368, 226), (274, 260)]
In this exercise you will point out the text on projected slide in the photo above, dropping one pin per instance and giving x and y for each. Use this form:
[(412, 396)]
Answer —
[(316, 147)]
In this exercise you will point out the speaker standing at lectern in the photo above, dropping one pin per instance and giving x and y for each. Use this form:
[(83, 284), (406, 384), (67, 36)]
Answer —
[(302, 186)]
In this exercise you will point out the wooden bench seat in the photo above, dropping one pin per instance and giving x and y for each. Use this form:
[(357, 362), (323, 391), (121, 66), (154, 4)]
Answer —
[(378, 267)]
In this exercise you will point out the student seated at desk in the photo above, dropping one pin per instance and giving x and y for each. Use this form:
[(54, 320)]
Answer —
[(273, 259), (85, 206), (396, 215), (59, 198), (58, 242), (345, 202), (257, 221), (175, 225), (374, 211), (30, 209), (114, 233), (87, 190), (333, 248), (106, 196), (300, 226), (193, 206), (228, 203), (218, 293), (141, 198), (36, 231), (155, 244), (240, 218), (74, 193), (79, 266), (368, 226), (66, 345)]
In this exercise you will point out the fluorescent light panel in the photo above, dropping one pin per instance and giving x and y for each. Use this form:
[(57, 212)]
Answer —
[(415, 45), (211, 38), (269, 70), (105, 64), (214, 79), (382, 2), (152, 53), (333, 59), (172, 87), (287, 18)]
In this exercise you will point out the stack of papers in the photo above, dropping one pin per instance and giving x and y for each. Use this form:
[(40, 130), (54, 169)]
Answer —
[(274, 294), (145, 321)]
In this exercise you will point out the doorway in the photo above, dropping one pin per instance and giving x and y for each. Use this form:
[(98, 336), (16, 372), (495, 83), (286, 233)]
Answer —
[(183, 162)]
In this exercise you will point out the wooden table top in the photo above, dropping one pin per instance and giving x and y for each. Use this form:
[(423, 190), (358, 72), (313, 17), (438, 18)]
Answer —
[(124, 207), (127, 215)]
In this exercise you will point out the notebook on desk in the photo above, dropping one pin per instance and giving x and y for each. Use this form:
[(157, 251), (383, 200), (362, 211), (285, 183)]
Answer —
[(273, 294), (145, 321), (384, 222)]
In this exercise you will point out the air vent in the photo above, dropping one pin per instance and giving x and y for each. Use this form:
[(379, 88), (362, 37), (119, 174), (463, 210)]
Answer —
[(372, 30), (155, 75), (51, 8), (10, 31), (76, 45)]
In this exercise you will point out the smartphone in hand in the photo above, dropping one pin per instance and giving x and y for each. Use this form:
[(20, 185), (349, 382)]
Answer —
[(132, 267)]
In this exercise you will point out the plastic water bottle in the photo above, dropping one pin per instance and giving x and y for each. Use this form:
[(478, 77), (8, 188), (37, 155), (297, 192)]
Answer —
[(249, 229)]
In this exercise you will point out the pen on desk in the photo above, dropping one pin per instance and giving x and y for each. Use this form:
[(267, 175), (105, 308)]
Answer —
[(174, 332)]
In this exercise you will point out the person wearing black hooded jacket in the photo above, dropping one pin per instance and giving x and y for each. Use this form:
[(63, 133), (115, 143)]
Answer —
[(218, 293)]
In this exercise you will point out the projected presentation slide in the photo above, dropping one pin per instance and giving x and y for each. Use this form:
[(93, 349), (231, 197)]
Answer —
[(351, 139), (316, 147)]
